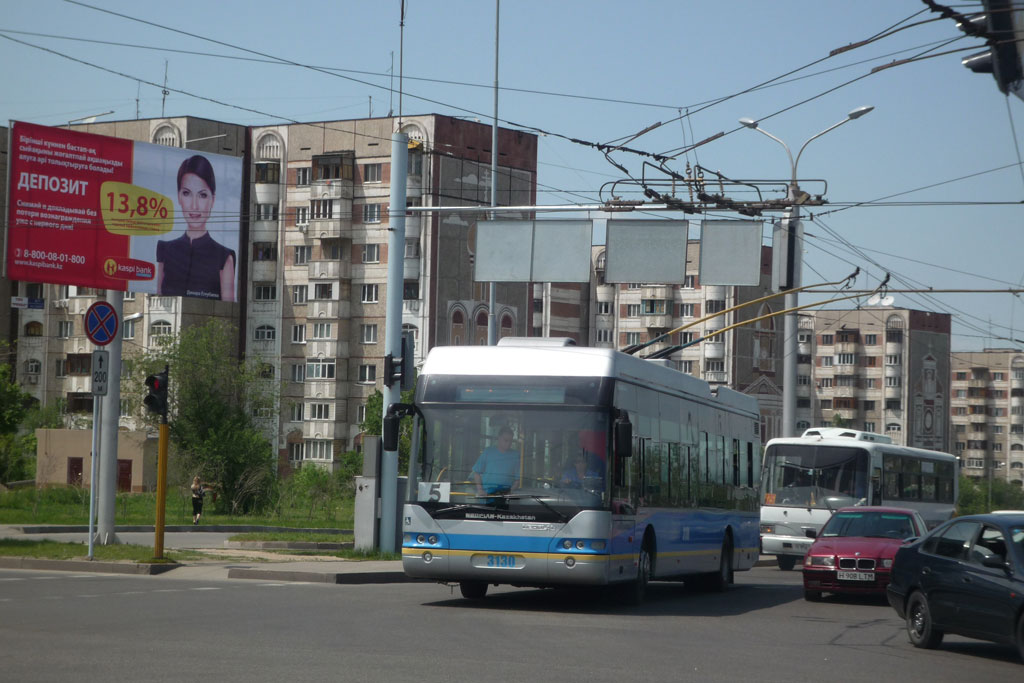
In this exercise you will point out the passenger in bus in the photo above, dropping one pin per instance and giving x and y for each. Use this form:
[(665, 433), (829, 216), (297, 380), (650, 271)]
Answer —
[(579, 472), (497, 468)]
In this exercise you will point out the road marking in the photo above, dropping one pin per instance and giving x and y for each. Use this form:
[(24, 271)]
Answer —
[(205, 588)]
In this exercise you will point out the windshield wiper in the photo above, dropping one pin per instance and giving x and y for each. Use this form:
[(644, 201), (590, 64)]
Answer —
[(465, 506), (519, 496)]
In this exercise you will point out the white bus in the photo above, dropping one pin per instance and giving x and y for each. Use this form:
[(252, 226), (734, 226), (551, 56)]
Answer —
[(665, 486), (805, 478)]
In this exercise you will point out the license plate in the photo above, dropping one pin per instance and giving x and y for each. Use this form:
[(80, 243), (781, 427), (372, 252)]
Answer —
[(497, 561), (855, 576)]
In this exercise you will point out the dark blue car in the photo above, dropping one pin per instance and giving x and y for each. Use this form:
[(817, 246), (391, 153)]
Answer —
[(965, 577)]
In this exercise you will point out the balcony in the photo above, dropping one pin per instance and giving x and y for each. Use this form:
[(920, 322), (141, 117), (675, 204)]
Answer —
[(331, 189), (264, 271), (320, 389), (265, 307), (714, 350), (977, 383), (322, 348), (330, 270), (1017, 382), (716, 376), (412, 306), (893, 370), (846, 347), (846, 413), (163, 304), (658, 322), (845, 391), (326, 228), (319, 309), (320, 429), (267, 193), (803, 390), (411, 269), (893, 392), (263, 347), (663, 292), (894, 348)]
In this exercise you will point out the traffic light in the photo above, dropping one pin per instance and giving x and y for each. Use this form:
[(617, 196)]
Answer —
[(1003, 58), (156, 399), (400, 370)]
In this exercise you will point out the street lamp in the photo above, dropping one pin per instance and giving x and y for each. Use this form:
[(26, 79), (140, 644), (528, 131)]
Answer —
[(793, 232)]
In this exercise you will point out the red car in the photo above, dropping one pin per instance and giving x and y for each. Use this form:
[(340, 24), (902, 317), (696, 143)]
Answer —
[(853, 552)]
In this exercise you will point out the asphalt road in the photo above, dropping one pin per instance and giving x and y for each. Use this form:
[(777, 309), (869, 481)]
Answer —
[(93, 627)]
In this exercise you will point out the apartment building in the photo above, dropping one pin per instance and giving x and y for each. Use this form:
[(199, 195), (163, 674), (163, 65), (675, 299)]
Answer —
[(313, 266), (879, 369), (747, 358), (987, 412)]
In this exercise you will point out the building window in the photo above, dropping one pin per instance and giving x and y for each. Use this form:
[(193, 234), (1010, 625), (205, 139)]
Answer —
[(893, 404), (159, 328), (871, 339), (411, 290), (302, 175), (604, 336), (129, 296), (892, 360), (322, 330), (604, 307), (803, 379), (295, 451), (687, 366), (367, 373), (319, 411), (265, 333), (320, 368), (686, 310), (297, 412), (715, 366), (826, 404), (266, 212), (689, 281), (303, 253), (298, 334), (653, 306), (264, 291), (323, 291), (415, 162), (826, 361), (301, 216), (371, 213), (330, 250), (298, 372), (79, 363), (846, 359), (264, 251), (61, 369), (371, 173), (299, 294), (632, 310), (827, 339), (65, 328), (368, 334), (318, 450), (322, 208), (825, 383), (869, 426), (634, 285), (893, 381), (714, 306), (412, 248), (632, 338), (371, 253), (128, 329), (370, 293), (361, 413)]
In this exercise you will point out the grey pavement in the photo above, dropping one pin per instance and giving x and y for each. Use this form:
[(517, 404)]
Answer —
[(228, 560)]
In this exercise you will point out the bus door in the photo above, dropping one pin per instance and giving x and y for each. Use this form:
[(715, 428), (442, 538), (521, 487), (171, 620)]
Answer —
[(626, 498)]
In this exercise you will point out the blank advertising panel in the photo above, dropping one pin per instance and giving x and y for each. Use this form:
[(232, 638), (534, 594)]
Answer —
[(646, 251), (730, 253), (533, 251)]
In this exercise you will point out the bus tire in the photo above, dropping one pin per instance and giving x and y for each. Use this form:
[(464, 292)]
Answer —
[(786, 562), (633, 592), (721, 579), (473, 590)]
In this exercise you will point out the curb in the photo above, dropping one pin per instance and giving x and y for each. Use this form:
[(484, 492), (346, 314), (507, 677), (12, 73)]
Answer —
[(288, 545), (137, 568), (180, 528), (347, 578)]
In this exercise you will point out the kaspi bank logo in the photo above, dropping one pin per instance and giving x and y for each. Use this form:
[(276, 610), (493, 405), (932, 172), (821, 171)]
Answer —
[(110, 267)]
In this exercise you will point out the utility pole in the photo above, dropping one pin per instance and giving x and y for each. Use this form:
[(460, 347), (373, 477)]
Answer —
[(393, 332), (492, 301)]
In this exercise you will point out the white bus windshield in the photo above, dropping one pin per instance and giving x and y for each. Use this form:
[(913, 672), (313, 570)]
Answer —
[(518, 458), (810, 476)]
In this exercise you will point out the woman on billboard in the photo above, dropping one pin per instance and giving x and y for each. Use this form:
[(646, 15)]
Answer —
[(195, 264)]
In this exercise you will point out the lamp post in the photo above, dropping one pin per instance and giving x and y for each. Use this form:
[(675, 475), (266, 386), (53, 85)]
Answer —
[(793, 232)]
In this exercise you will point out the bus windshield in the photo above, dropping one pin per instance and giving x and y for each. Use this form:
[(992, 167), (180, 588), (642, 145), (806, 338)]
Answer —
[(517, 458), (810, 476)]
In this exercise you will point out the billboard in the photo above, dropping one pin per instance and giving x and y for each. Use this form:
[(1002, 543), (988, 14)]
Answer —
[(103, 212)]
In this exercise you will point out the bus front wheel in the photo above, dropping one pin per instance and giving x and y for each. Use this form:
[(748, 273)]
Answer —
[(786, 562), (473, 590)]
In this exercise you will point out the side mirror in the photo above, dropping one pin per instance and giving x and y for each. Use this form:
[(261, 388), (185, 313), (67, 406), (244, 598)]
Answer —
[(993, 562), (390, 432), (623, 436), (810, 533)]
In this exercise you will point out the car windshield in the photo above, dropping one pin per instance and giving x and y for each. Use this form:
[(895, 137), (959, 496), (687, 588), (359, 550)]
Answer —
[(869, 524)]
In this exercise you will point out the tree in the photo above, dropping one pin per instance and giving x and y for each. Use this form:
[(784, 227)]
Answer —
[(15, 449), (215, 407), (373, 423)]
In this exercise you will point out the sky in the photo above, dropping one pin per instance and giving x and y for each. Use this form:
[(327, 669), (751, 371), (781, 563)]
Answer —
[(928, 187)]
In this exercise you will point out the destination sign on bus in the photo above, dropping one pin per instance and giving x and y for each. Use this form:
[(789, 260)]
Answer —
[(507, 394)]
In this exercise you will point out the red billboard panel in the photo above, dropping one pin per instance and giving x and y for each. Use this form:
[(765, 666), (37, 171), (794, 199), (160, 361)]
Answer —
[(96, 211)]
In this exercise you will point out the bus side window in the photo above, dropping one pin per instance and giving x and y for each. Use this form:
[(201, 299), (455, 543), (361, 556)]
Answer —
[(876, 486)]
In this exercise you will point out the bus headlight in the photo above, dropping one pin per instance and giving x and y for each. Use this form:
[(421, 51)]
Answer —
[(567, 544)]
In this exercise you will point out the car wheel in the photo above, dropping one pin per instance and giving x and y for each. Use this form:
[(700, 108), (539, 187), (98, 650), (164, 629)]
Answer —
[(812, 596), (1020, 636), (920, 629), (473, 590), (786, 562)]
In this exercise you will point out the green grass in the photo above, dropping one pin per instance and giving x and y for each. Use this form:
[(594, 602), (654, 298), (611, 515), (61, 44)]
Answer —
[(52, 550), (71, 506)]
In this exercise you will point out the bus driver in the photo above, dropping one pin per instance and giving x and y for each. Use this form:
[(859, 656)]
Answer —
[(496, 470)]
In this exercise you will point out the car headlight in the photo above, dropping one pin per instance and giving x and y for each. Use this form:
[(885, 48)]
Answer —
[(887, 563), (820, 561)]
